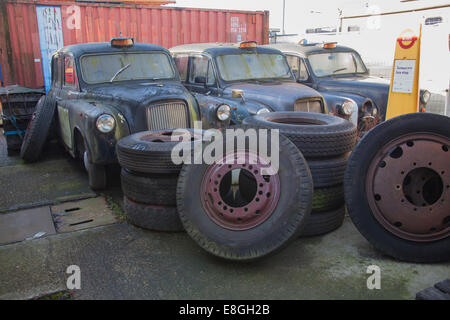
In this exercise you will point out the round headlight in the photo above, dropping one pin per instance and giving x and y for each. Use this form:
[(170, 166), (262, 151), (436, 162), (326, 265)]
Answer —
[(223, 112), (426, 95), (262, 110), (105, 123), (374, 111), (348, 107)]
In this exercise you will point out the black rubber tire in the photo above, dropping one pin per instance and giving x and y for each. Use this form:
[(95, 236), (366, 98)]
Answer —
[(38, 129), (328, 172), (316, 135), (281, 227), (320, 223), (326, 199), (96, 172), (156, 218), (150, 189), (137, 154), (355, 190)]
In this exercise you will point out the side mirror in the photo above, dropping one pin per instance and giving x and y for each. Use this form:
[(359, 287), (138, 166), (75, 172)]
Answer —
[(200, 79)]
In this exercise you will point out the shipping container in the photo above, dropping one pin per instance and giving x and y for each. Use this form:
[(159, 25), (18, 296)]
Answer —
[(30, 31)]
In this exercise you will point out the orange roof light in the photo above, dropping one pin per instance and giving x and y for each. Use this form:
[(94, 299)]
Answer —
[(122, 42), (329, 45), (247, 44)]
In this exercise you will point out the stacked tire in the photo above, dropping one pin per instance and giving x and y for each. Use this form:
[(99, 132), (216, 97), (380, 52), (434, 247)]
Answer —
[(326, 142), (149, 179)]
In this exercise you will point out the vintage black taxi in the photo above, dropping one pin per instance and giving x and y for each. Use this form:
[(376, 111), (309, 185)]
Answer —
[(105, 91), (234, 80), (338, 72)]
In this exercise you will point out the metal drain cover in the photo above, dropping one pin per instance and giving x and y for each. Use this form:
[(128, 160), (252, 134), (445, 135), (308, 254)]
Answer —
[(89, 213)]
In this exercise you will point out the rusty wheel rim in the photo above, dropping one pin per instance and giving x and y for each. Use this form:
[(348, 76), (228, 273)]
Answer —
[(408, 187), (252, 212)]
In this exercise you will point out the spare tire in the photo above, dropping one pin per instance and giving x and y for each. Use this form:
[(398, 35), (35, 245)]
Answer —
[(37, 130), (156, 189), (326, 199), (320, 223), (237, 228), (315, 134), (328, 172), (151, 151), (156, 218), (397, 187)]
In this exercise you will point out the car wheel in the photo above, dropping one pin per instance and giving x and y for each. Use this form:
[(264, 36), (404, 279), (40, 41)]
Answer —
[(96, 173), (328, 172), (326, 199), (231, 227), (150, 188), (320, 223), (315, 135), (37, 130), (397, 187), (151, 151), (156, 218)]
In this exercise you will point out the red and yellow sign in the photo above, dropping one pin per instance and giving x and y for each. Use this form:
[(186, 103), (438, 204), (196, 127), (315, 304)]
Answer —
[(404, 89)]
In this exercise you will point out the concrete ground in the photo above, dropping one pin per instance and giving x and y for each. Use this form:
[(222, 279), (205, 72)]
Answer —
[(120, 261)]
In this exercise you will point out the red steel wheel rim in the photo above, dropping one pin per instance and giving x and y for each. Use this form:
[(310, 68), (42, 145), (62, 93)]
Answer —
[(408, 187), (253, 213)]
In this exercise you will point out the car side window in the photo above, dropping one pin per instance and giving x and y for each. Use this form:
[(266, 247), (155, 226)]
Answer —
[(201, 71), (298, 67), (56, 72), (70, 75), (181, 61)]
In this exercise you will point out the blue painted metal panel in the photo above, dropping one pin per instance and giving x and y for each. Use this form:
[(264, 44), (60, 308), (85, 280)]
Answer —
[(50, 37)]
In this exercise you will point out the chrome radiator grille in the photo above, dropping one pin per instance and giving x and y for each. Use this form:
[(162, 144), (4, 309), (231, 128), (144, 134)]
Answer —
[(169, 115), (310, 105)]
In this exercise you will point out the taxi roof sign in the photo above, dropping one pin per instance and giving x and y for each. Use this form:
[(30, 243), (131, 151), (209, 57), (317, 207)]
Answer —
[(122, 42), (248, 44), (329, 45)]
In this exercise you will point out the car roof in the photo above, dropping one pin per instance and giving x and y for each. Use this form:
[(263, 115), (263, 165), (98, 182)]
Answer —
[(219, 48), (104, 47), (306, 49)]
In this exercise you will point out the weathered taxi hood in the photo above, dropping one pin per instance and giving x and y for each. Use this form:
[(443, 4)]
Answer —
[(141, 92), (352, 83), (374, 88), (279, 96)]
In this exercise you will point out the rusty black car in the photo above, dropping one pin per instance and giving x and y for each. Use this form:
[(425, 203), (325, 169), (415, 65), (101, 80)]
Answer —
[(338, 73), (102, 92), (234, 80)]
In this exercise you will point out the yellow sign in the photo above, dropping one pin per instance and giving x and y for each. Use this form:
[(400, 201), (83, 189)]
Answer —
[(404, 89)]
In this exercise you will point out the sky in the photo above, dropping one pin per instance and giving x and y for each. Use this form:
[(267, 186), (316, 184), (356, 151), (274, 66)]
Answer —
[(303, 14)]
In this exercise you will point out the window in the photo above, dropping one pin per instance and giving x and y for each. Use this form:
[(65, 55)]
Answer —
[(201, 68), (298, 68), (56, 72), (181, 61), (433, 20), (70, 75), (253, 66), (101, 68), (335, 63)]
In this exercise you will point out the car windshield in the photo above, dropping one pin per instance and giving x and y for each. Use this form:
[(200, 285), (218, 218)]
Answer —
[(101, 68), (335, 63), (253, 66)]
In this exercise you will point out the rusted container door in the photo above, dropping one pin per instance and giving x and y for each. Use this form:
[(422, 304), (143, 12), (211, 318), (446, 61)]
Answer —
[(50, 37)]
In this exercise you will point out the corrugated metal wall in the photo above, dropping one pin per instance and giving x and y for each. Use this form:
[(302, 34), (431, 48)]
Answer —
[(20, 54)]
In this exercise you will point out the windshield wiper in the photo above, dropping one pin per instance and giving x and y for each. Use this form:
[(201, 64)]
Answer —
[(337, 70), (119, 72)]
